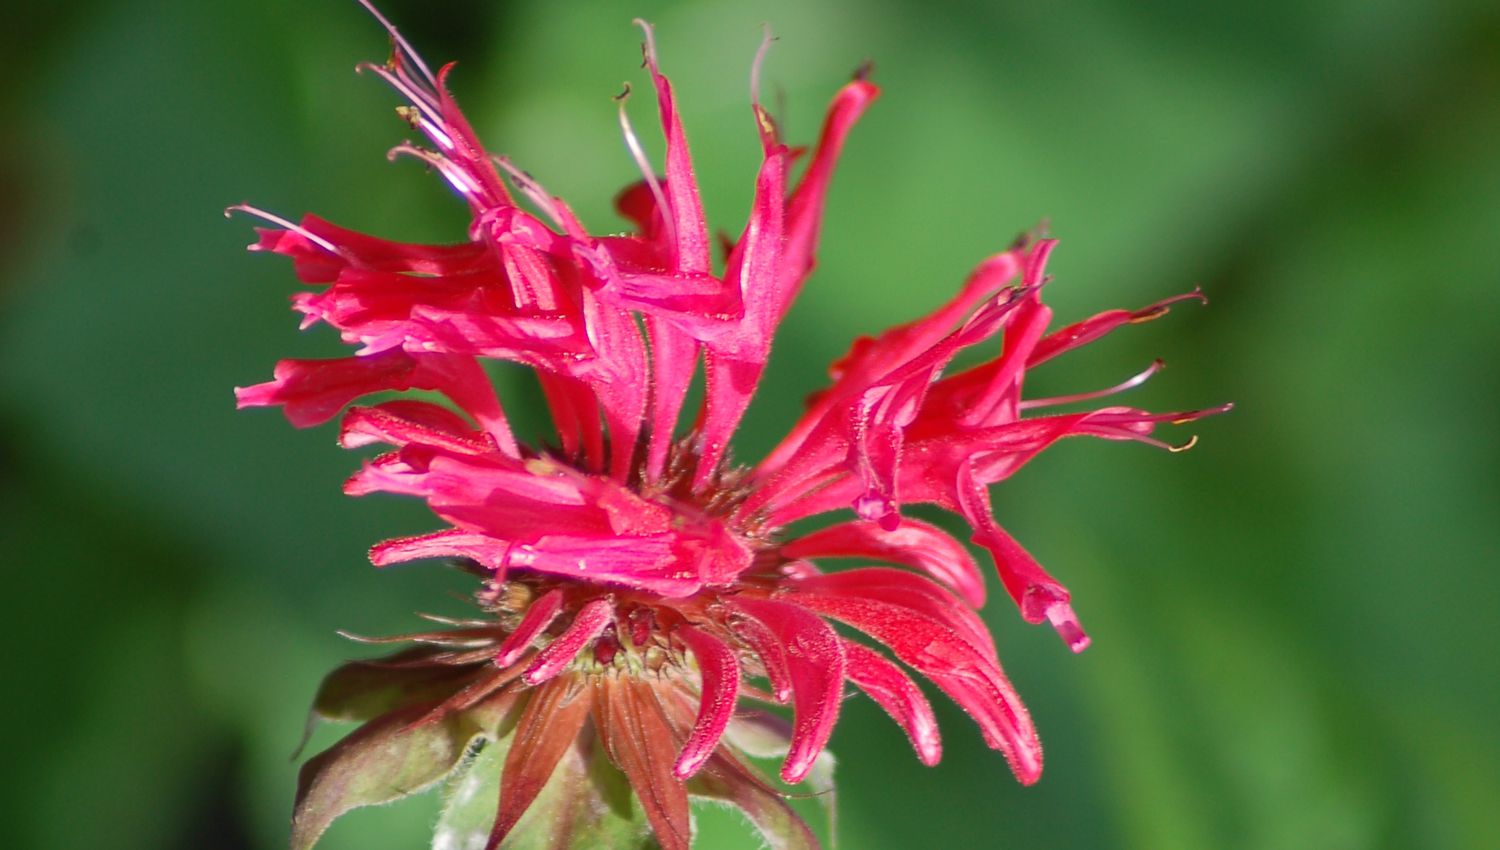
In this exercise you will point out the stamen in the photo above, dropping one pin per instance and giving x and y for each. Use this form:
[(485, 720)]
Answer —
[(1161, 308), (1199, 414), (759, 61), (455, 176), (648, 50), (419, 99), (1113, 432), (436, 133), (633, 143), (532, 190), (283, 223), (402, 44), (1192, 441), (1131, 383)]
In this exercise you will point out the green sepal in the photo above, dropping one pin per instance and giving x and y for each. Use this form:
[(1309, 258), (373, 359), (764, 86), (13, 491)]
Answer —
[(398, 754), (363, 690)]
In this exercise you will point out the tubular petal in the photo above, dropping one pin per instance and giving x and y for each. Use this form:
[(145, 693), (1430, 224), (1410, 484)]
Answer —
[(914, 593), (969, 678), (895, 692), (772, 657), (450, 543), (587, 624), (815, 659), (537, 618), (752, 271), (1039, 595), (720, 674), (914, 544)]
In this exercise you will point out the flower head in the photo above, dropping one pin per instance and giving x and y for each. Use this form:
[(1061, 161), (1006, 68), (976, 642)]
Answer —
[(640, 591)]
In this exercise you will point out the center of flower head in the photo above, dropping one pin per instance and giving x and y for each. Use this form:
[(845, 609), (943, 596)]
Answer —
[(714, 548)]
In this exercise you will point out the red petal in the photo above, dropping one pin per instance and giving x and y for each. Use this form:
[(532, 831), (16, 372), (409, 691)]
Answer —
[(895, 692), (972, 680), (537, 618), (815, 659), (720, 672), (587, 624), (916, 593), (914, 544), (772, 656)]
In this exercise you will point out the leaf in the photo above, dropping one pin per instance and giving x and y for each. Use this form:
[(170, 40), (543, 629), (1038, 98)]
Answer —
[(387, 759), (363, 690), (586, 804)]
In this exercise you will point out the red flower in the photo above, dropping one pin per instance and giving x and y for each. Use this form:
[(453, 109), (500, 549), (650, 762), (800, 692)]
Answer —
[(637, 583)]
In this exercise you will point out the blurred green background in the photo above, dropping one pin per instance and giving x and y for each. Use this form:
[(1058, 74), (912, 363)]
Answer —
[(1294, 624)]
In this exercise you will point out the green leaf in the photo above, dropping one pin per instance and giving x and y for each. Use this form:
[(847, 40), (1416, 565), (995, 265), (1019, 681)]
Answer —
[(394, 756), (586, 804), (363, 690)]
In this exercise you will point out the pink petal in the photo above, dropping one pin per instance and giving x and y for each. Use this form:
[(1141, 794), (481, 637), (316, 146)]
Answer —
[(805, 207), (674, 359), (969, 678), (752, 270), (720, 672), (1038, 594), (870, 359), (895, 692), (914, 544), (313, 391), (452, 543), (587, 624), (363, 426), (691, 247), (1097, 326), (539, 615), (815, 659)]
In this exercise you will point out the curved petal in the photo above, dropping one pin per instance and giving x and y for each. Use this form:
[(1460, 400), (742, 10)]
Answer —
[(720, 673), (537, 618), (546, 729), (895, 692), (914, 544), (970, 679), (815, 659), (587, 624)]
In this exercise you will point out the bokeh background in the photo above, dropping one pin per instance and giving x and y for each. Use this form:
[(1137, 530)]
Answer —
[(1295, 624)]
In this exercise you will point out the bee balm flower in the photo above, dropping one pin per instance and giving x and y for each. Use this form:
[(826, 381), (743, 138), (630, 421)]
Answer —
[(640, 593)]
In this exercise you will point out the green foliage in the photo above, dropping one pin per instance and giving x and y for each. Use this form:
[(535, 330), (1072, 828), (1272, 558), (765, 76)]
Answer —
[(392, 757)]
